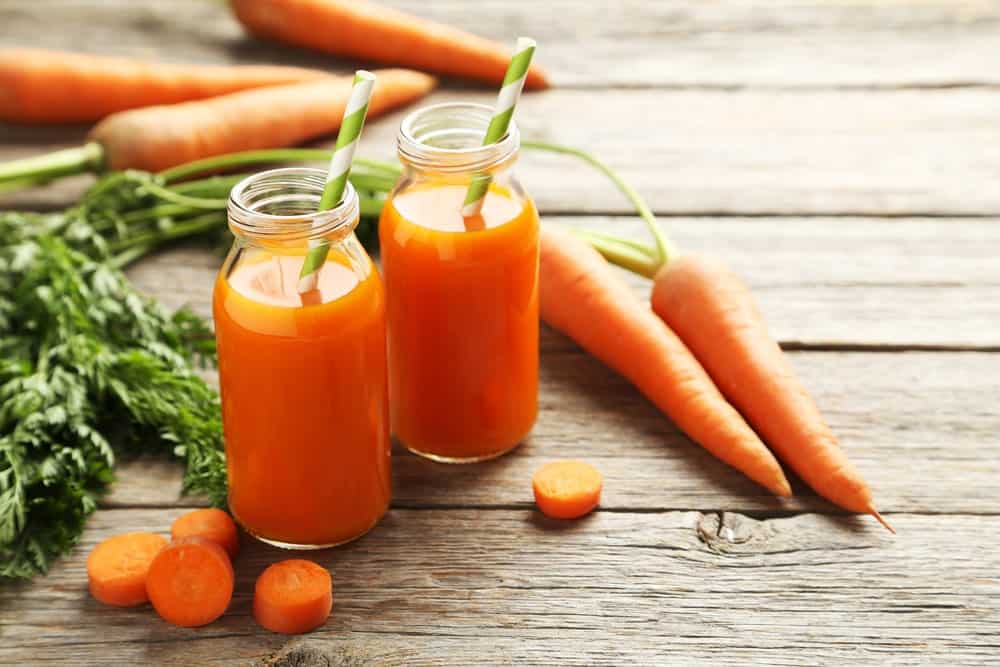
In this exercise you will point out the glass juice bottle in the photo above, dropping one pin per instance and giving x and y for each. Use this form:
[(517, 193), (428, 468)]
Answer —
[(462, 292), (303, 377)]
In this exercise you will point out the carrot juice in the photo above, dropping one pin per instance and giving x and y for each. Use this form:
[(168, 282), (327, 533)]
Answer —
[(462, 294), (303, 379)]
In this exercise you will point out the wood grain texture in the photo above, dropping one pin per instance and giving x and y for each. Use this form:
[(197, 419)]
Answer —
[(824, 283), (916, 424), (675, 43), (786, 111), (891, 153), (511, 587)]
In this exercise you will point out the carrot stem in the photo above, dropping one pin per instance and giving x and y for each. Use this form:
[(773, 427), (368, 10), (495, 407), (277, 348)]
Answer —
[(231, 160), (209, 186), (665, 249), (201, 223), (621, 252), (41, 168), (123, 259), (172, 196)]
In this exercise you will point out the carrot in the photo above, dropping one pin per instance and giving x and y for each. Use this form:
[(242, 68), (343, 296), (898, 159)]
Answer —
[(211, 524), (368, 31), (566, 489), (714, 313), (293, 596), (581, 296), (40, 86), (155, 138), (117, 567), (190, 582)]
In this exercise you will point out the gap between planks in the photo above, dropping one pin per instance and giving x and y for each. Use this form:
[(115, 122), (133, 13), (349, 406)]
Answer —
[(758, 514)]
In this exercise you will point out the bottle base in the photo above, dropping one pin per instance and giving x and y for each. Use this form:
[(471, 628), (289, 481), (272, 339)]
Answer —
[(294, 546), (438, 458)]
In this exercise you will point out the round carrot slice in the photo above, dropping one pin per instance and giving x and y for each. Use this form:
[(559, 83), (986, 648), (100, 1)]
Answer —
[(117, 567), (190, 582), (293, 596), (567, 489), (212, 524)]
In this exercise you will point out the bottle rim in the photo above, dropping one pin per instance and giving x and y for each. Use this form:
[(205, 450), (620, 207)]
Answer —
[(294, 188), (448, 137)]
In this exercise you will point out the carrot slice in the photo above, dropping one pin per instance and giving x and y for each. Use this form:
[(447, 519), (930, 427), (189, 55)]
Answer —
[(212, 524), (117, 567), (567, 489), (190, 582), (293, 596)]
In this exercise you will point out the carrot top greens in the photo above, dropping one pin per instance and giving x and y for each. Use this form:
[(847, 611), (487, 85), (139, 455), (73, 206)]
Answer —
[(91, 370)]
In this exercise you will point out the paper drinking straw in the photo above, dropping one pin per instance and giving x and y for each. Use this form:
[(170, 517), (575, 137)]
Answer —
[(340, 167), (513, 82)]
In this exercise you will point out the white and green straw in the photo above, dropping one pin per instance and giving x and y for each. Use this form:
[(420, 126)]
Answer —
[(513, 82), (340, 167)]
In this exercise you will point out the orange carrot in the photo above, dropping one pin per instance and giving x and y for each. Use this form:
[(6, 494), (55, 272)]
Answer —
[(155, 138), (368, 31), (714, 313), (39, 86), (211, 524), (190, 582), (293, 596), (566, 489), (117, 567), (581, 296)]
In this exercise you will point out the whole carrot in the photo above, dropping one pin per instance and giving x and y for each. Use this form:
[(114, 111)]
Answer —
[(159, 137), (368, 31), (580, 295), (713, 312), (40, 86)]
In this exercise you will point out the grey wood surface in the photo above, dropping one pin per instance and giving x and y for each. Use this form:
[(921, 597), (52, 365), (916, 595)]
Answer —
[(710, 152), (507, 586), (843, 157)]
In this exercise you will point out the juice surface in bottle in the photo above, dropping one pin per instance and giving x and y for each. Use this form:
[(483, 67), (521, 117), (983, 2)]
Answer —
[(303, 385), (462, 294)]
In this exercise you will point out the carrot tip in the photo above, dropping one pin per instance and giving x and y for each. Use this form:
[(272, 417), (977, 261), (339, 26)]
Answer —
[(881, 520)]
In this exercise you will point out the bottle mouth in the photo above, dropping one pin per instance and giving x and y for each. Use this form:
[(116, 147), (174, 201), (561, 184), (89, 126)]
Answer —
[(283, 204), (448, 137)]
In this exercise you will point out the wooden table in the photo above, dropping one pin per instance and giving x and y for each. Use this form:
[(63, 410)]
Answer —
[(845, 159)]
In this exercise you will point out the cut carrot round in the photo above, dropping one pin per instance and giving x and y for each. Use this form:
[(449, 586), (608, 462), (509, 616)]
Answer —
[(190, 582), (117, 568), (293, 596), (212, 524), (567, 489)]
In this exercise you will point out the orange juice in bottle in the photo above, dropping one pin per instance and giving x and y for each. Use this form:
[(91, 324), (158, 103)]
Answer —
[(462, 292), (303, 377)]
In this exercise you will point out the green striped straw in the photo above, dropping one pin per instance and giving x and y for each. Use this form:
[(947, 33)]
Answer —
[(513, 82), (340, 167)]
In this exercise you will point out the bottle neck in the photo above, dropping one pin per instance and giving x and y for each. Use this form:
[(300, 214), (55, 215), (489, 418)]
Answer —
[(281, 207), (446, 139)]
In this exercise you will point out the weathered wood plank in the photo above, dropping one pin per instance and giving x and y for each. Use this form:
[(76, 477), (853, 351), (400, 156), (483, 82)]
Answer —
[(820, 282), (680, 43), (711, 152), (916, 425), (464, 587)]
